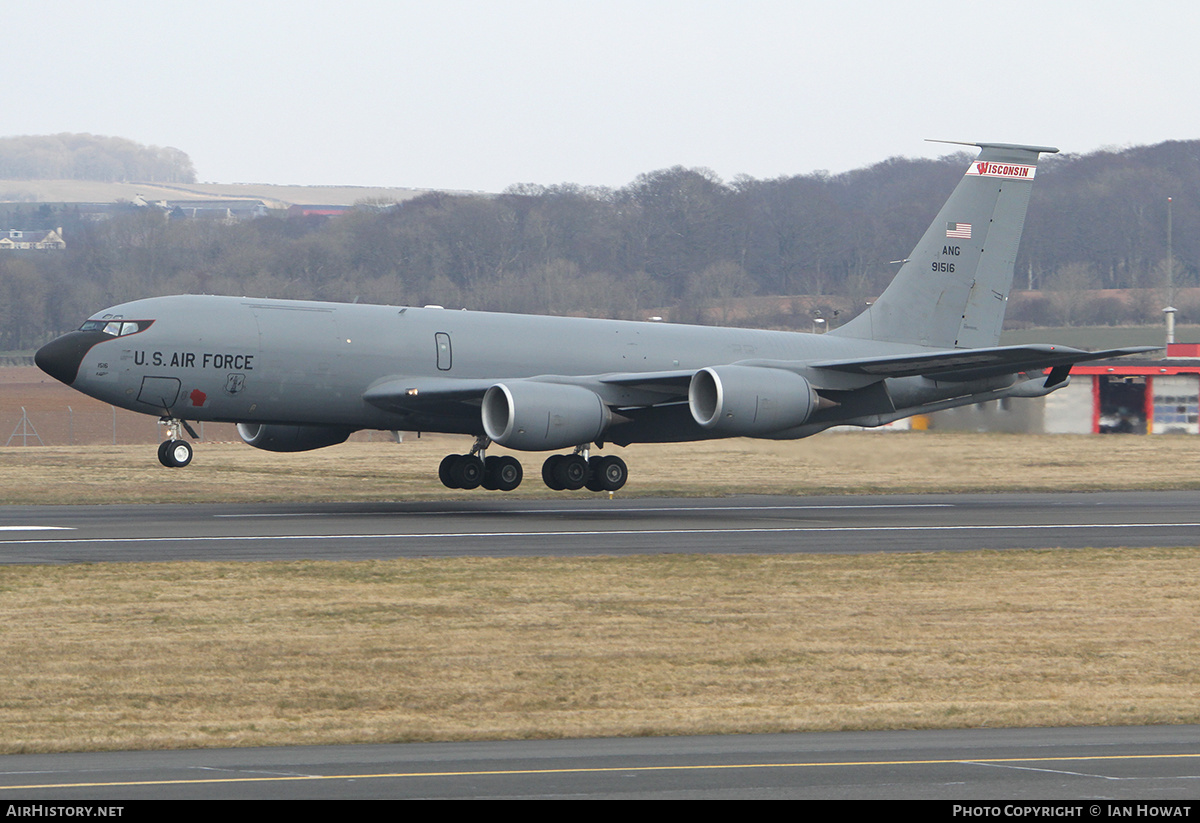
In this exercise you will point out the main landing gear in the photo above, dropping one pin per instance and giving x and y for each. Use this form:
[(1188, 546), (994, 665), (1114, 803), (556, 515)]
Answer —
[(470, 471), (175, 452), (577, 471), (559, 472)]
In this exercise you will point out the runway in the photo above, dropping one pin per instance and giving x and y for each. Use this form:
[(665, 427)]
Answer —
[(495, 526), (1097, 766)]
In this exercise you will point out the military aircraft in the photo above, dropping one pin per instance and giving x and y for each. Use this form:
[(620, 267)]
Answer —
[(299, 375)]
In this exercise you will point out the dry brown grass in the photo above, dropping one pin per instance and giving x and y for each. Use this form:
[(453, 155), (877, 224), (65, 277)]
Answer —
[(215, 654), (860, 462)]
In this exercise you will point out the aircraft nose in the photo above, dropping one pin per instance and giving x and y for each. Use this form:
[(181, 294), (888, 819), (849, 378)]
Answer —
[(60, 358)]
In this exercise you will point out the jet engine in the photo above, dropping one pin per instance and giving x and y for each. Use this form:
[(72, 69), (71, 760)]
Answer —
[(533, 416), (750, 401), (275, 438)]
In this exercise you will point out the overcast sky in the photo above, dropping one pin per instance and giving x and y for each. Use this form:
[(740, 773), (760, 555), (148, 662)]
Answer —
[(467, 94)]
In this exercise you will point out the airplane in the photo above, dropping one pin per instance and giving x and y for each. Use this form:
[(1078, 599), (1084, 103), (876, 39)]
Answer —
[(300, 375)]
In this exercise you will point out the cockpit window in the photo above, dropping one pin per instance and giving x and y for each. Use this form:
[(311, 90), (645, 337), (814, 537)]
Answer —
[(117, 328)]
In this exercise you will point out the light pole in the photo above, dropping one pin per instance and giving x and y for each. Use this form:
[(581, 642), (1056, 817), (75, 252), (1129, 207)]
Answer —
[(1170, 260)]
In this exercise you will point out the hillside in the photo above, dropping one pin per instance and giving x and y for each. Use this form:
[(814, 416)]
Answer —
[(275, 197), (677, 242)]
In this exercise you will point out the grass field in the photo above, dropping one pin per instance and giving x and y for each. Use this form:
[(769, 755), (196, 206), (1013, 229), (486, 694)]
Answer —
[(853, 463), (126, 656)]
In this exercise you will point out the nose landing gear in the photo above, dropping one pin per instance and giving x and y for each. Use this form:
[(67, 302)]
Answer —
[(175, 452)]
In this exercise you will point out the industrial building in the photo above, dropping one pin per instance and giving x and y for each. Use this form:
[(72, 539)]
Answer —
[(1126, 396)]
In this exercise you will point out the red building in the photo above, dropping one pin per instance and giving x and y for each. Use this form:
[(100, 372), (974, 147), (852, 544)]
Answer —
[(1122, 396), (1131, 396)]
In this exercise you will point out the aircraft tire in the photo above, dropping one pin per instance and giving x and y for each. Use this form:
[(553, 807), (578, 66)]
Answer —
[(612, 473), (548, 472), (571, 472), (508, 473), (467, 472), (489, 474), (177, 454), (595, 475), (162, 454), (445, 469)]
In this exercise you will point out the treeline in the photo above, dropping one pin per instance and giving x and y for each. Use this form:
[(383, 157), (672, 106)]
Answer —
[(678, 241), (91, 157)]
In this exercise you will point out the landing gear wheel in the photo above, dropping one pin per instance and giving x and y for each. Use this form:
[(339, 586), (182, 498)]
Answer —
[(466, 471), (444, 471), (503, 473), (174, 454), (595, 477), (180, 453), (609, 473), (548, 476), (489, 474), (571, 472)]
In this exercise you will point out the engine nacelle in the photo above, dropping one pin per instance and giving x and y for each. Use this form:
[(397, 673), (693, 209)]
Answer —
[(750, 401), (275, 438), (533, 416)]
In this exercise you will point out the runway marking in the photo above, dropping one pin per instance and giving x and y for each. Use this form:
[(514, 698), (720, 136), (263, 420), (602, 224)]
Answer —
[(606, 510), (588, 533), (36, 528), (1075, 774), (607, 770)]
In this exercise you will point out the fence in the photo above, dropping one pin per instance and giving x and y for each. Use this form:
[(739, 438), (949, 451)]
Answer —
[(69, 426)]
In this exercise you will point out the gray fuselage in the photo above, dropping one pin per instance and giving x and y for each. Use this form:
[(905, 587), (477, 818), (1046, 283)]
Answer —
[(251, 360)]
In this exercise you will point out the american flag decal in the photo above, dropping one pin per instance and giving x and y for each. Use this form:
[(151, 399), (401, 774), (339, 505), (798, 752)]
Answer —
[(962, 230)]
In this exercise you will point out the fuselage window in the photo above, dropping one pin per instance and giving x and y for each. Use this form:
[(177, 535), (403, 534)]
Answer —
[(443, 351)]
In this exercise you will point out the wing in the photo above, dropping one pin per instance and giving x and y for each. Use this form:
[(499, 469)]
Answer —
[(955, 365), (448, 395), (425, 395), (542, 412), (417, 394), (443, 404)]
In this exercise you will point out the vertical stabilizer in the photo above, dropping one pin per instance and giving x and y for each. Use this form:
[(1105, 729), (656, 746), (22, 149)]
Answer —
[(953, 289)]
